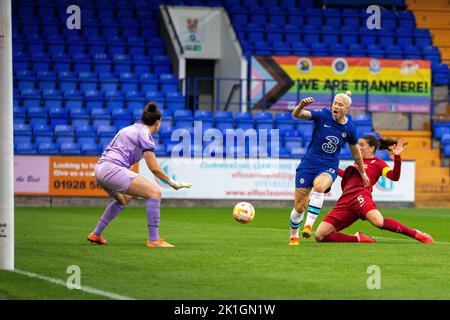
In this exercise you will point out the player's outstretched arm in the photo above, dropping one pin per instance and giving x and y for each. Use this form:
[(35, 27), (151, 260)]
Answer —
[(356, 153), (394, 174), (156, 169), (299, 112)]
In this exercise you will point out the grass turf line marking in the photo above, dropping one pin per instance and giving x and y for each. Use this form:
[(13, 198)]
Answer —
[(59, 282)]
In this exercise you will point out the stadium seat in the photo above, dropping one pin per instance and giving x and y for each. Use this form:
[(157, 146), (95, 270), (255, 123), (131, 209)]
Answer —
[(263, 120), (121, 118), (206, 118), (69, 148), (48, 148), (183, 118), (244, 120), (89, 148), (26, 148), (224, 120)]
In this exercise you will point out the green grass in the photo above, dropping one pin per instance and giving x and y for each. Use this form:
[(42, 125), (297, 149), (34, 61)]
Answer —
[(217, 258)]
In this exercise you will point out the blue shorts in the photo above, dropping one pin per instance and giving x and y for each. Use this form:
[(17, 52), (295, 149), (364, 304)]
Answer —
[(306, 173)]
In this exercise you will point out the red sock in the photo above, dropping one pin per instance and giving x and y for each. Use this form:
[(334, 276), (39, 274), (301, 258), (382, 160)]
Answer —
[(395, 226), (339, 237)]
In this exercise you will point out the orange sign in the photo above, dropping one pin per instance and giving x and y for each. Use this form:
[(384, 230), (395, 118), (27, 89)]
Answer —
[(74, 176)]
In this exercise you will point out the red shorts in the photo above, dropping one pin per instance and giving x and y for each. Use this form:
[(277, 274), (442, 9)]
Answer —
[(351, 206)]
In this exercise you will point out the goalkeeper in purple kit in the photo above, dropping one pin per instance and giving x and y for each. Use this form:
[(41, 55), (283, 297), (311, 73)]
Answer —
[(112, 172)]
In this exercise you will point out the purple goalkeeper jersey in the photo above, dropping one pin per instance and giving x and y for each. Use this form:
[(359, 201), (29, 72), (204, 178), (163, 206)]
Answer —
[(129, 145)]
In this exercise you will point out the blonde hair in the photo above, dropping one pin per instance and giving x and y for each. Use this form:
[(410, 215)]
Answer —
[(346, 96)]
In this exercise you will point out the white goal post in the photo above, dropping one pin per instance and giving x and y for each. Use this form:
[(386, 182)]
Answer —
[(6, 140)]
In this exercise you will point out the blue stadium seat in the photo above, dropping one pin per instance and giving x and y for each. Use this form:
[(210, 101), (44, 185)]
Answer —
[(90, 148), (94, 99), (297, 153), (446, 150), (319, 50), (26, 148), (81, 62), (37, 115), (41, 61), (161, 64), (128, 82), (23, 130), (108, 81), (330, 35), (46, 80), (155, 96), (69, 148), (405, 37), (284, 121), (206, 118), (351, 18), (122, 63), (348, 35), (183, 118), (135, 100), (52, 98), (73, 99), (244, 120), (106, 131), (100, 117), (263, 120), (274, 33), (142, 63), (422, 37), (67, 80), (394, 52), (292, 33), (121, 118), (332, 17), (87, 80), (30, 97), (148, 82), (174, 101), (406, 19), (224, 120), (25, 79), (311, 34), (58, 115), (114, 99)]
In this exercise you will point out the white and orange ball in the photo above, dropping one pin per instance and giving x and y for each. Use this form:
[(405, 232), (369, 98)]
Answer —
[(243, 212)]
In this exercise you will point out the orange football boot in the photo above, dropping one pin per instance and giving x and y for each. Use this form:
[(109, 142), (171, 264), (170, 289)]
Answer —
[(307, 231), (363, 238), (160, 243), (93, 238), (423, 237), (294, 242)]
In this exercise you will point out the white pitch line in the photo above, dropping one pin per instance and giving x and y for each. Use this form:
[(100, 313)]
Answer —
[(409, 240), (59, 282)]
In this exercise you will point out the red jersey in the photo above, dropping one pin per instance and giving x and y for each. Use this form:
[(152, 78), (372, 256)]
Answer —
[(375, 168)]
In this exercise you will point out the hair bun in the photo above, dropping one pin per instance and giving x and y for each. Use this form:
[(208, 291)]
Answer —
[(152, 107), (348, 92)]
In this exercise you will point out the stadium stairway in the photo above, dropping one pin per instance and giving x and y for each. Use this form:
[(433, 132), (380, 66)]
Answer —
[(434, 15), (432, 187)]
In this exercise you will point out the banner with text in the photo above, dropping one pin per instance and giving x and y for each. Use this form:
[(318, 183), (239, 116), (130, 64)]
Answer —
[(387, 85), (264, 179)]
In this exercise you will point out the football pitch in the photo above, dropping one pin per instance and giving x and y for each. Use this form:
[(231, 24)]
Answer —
[(217, 258)]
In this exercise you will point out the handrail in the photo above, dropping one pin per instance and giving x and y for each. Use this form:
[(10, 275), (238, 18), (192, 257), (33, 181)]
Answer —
[(172, 26), (233, 89)]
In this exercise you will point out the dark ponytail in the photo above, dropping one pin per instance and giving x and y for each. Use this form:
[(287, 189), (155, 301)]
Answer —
[(151, 113), (384, 143)]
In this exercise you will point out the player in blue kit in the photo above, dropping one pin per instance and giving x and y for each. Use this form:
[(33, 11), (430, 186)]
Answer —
[(318, 168)]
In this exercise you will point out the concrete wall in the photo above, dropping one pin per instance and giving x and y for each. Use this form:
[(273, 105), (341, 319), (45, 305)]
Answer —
[(103, 202)]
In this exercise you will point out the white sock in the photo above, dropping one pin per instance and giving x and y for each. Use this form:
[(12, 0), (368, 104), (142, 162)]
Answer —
[(315, 204), (295, 222)]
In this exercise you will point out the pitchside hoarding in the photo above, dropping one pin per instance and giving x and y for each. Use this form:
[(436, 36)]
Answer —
[(239, 179), (263, 179), (387, 85)]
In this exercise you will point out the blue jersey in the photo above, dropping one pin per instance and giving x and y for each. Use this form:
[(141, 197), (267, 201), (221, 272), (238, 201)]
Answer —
[(328, 138)]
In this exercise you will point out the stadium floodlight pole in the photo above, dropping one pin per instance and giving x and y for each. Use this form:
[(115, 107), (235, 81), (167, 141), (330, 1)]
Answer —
[(6, 140)]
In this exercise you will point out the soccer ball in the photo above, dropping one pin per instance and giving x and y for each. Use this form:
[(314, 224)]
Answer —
[(243, 212)]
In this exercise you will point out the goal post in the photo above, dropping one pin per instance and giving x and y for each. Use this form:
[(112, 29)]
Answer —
[(6, 140)]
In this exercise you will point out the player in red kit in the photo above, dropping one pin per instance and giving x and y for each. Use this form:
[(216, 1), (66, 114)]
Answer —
[(356, 201)]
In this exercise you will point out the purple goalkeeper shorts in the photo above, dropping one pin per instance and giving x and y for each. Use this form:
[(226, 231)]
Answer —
[(113, 178)]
